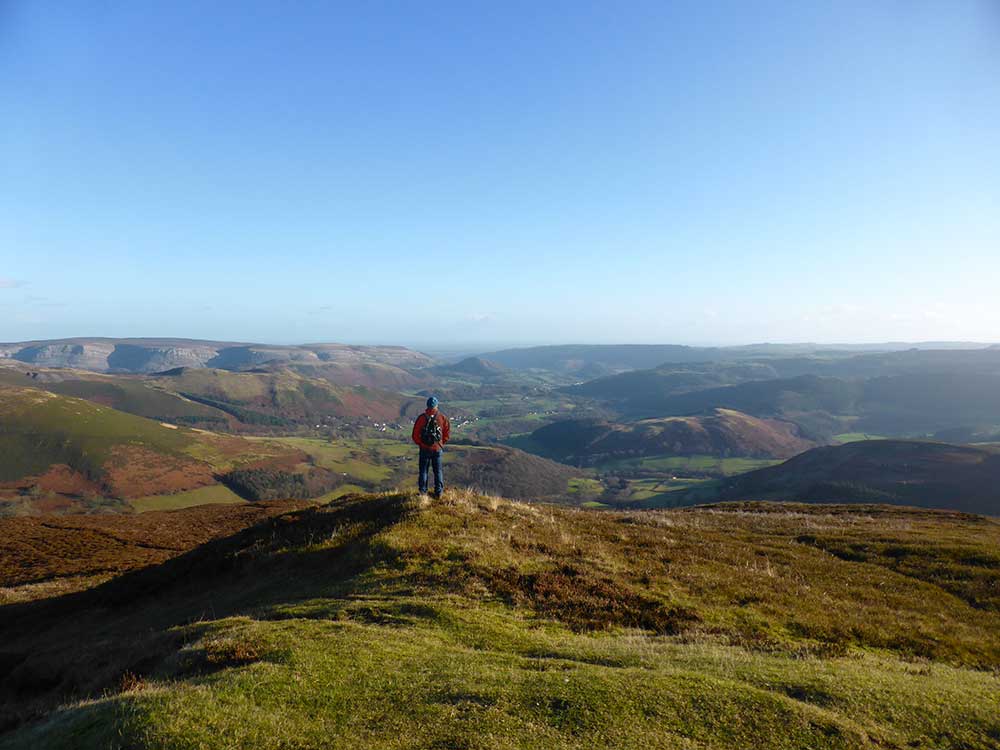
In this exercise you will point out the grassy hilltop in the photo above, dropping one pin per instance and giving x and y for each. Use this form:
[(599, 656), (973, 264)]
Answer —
[(385, 621)]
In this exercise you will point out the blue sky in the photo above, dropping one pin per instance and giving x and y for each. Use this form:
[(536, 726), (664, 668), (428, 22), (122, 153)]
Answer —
[(438, 173)]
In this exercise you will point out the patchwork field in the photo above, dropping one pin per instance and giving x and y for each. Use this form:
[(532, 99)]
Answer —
[(213, 494), (702, 466)]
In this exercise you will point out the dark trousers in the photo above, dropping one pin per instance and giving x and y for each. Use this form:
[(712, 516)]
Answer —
[(430, 460)]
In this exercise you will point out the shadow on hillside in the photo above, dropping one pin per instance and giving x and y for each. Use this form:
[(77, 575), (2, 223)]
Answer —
[(82, 644)]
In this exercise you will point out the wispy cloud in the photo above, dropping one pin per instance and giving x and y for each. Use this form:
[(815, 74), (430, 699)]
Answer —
[(37, 301), (6, 283), (480, 317)]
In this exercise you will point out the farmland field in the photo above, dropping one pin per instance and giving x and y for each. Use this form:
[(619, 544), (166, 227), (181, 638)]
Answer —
[(854, 437), (213, 494), (688, 465)]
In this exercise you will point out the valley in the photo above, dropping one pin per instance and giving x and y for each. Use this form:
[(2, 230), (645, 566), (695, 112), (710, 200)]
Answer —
[(302, 425)]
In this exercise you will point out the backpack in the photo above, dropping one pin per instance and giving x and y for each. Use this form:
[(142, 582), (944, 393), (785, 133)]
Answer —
[(430, 433)]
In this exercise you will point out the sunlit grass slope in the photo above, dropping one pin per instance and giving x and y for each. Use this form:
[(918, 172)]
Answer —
[(394, 622), (113, 453)]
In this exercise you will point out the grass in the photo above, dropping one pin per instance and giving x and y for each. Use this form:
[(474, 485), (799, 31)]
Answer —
[(390, 622), (341, 491), (114, 454), (585, 487), (60, 429), (360, 460), (216, 493), (687, 465)]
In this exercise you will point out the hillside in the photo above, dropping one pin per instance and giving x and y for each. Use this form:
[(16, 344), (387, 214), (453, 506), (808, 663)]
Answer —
[(930, 359), (807, 393), (259, 400), (68, 454), (124, 393), (506, 471), (387, 622), (642, 392), (477, 366), (373, 366), (935, 475), (43, 556), (902, 393), (594, 360), (278, 396), (724, 432)]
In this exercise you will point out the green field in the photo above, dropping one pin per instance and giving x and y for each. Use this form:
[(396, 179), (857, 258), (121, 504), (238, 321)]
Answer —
[(585, 487), (388, 623), (687, 465), (341, 491), (216, 493), (360, 460), (854, 437)]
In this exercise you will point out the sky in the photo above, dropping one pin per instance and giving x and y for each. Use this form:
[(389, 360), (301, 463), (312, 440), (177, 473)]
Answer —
[(469, 173)]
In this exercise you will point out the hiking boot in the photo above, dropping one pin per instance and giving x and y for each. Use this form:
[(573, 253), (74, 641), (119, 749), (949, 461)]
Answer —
[(436, 495)]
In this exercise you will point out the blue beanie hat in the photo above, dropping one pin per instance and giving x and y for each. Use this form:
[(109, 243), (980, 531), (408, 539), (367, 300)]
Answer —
[(432, 402)]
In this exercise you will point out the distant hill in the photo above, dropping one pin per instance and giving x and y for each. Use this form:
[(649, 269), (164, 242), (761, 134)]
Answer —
[(65, 454), (971, 359), (472, 366), (642, 392), (933, 475), (278, 395), (506, 471), (381, 366), (917, 403), (804, 393), (722, 433), (594, 360), (257, 400), (591, 361), (125, 393), (821, 406)]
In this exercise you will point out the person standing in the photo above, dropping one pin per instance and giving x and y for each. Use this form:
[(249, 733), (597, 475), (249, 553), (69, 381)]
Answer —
[(431, 431)]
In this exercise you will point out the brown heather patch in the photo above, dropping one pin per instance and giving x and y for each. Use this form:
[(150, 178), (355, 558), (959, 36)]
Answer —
[(76, 549), (584, 601), (62, 479), (135, 471)]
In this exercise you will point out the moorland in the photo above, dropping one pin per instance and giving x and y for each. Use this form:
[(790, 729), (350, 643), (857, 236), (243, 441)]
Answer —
[(640, 546)]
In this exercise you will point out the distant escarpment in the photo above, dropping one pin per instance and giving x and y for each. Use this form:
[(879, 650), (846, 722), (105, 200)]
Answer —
[(372, 366)]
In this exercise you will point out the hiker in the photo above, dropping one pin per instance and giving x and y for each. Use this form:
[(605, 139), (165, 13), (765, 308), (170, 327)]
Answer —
[(431, 431)]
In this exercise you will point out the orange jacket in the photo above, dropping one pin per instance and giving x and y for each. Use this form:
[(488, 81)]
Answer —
[(418, 428)]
